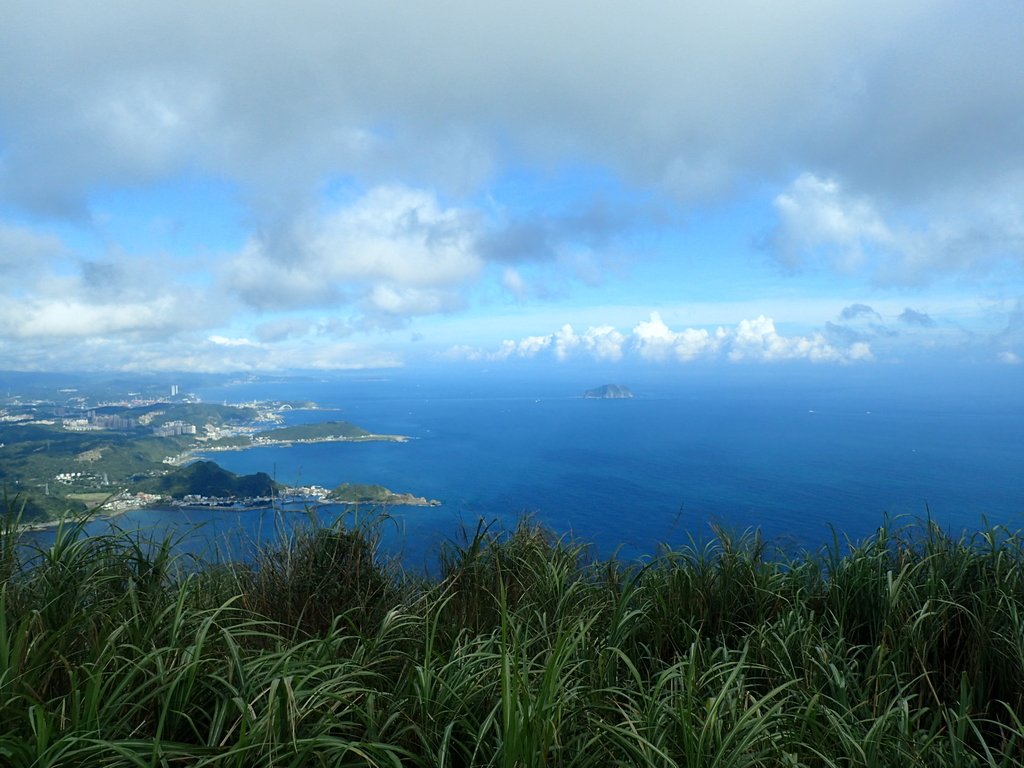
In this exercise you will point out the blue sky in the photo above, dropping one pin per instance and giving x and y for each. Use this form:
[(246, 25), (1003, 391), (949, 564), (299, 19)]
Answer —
[(315, 185)]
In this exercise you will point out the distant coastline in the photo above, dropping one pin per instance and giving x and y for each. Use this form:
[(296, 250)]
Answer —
[(199, 451), (261, 442), (387, 498)]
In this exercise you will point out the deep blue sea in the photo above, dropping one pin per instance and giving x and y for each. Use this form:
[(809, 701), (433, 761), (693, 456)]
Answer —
[(796, 453)]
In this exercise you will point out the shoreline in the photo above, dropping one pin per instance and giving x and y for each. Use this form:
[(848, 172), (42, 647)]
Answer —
[(398, 500), (257, 442), (199, 451), (88, 514)]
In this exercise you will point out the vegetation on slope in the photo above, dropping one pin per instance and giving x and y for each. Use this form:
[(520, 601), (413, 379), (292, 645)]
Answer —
[(34, 455), (205, 478), (199, 413), (318, 431), (906, 650), (375, 495)]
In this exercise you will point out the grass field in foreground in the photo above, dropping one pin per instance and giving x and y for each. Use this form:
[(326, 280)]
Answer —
[(906, 649)]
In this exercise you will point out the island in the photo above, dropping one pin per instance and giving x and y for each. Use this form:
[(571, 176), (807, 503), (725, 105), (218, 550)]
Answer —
[(608, 392), (377, 495)]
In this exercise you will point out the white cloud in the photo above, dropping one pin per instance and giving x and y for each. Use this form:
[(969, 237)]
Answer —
[(817, 220), (1010, 358), (652, 340), (265, 283), (758, 339), (655, 341), (565, 341), (394, 250), (604, 343), (378, 187), (399, 235), (225, 341), (406, 301), (528, 347), (822, 225), (532, 345), (74, 319)]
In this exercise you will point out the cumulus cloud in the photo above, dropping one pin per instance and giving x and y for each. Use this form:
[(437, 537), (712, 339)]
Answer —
[(527, 347), (820, 224), (60, 310), (395, 234), (816, 220), (653, 340), (565, 341), (394, 250), (531, 345), (604, 342), (758, 340)]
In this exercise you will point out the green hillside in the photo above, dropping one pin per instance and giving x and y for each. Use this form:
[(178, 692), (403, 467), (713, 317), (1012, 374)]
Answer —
[(205, 478)]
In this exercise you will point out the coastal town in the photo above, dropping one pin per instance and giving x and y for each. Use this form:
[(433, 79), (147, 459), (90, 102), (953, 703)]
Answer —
[(67, 451)]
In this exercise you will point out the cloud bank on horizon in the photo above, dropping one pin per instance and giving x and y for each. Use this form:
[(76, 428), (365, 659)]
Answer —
[(323, 185)]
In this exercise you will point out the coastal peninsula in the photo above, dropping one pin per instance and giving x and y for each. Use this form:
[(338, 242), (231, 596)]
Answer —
[(322, 432), (205, 484), (70, 452)]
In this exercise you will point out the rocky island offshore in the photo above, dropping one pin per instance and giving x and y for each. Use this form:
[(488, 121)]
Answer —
[(608, 392)]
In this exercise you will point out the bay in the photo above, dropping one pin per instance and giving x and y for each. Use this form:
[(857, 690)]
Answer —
[(795, 456)]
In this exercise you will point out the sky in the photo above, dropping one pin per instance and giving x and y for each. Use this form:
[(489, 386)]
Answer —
[(270, 186)]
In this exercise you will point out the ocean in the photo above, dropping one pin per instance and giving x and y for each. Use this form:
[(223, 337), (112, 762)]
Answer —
[(800, 455)]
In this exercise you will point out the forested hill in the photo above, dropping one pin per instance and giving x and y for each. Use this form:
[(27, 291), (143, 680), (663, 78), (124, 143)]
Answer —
[(205, 478)]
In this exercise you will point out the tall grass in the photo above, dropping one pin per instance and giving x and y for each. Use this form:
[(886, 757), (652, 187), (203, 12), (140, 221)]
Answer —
[(904, 649)]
